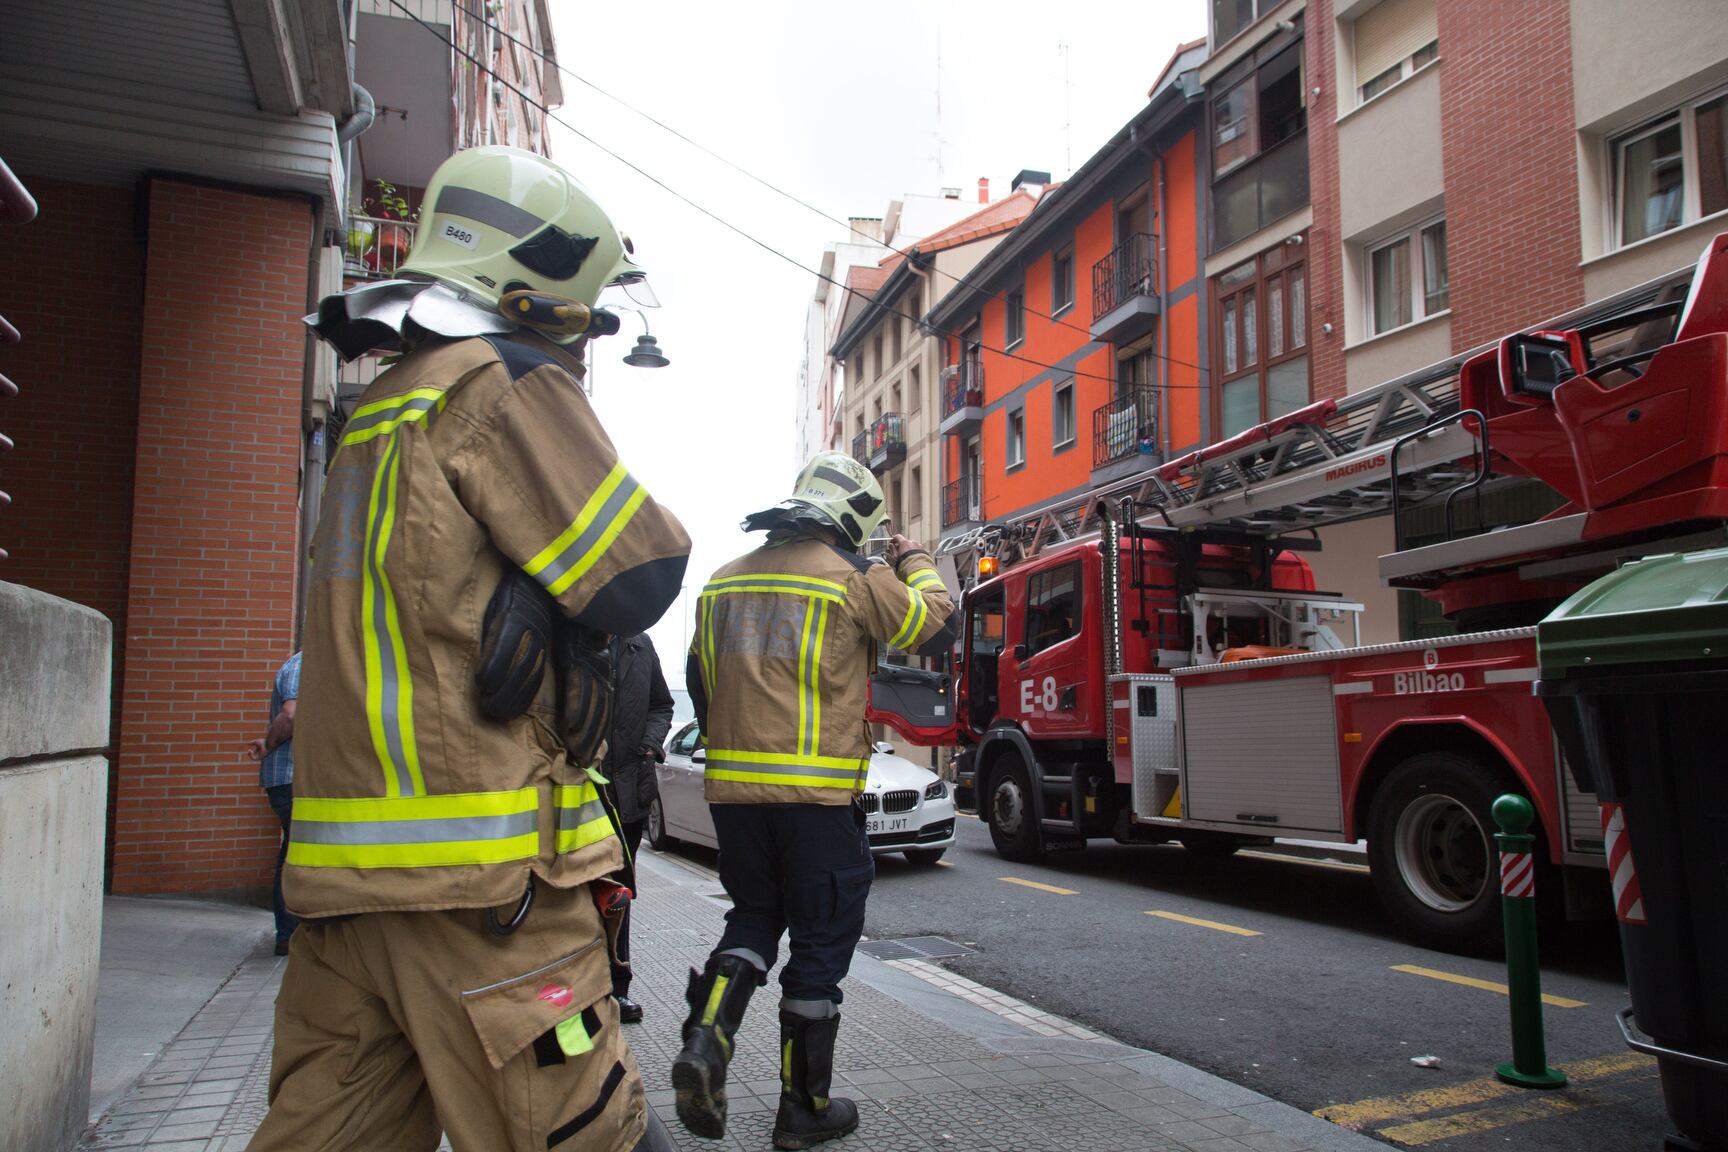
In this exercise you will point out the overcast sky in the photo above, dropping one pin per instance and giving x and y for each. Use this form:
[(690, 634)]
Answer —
[(836, 104)]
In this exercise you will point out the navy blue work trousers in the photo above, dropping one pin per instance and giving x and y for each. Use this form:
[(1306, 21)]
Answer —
[(798, 868)]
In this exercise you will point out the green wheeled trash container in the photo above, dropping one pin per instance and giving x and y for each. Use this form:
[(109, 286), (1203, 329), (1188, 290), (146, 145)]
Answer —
[(1634, 673)]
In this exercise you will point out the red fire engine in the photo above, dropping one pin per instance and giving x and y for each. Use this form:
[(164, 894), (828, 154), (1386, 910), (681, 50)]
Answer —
[(1152, 663)]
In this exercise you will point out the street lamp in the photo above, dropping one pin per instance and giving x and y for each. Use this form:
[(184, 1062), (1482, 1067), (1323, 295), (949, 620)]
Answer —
[(647, 353)]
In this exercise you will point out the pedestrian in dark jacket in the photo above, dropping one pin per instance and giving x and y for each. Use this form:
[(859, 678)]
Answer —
[(641, 716)]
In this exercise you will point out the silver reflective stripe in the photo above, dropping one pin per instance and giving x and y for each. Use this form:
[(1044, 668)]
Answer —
[(597, 527), (392, 685), (807, 673), (489, 210), (783, 769), (385, 415), (573, 818), (836, 477), (465, 828)]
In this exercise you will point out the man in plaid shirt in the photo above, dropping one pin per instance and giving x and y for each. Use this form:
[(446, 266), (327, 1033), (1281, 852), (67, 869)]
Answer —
[(274, 752)]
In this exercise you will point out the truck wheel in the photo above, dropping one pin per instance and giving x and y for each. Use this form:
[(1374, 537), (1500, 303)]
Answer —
[(1012, 817), (1431, 852), (656, 827)]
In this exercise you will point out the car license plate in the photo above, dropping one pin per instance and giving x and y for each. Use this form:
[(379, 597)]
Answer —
[(876, 825)]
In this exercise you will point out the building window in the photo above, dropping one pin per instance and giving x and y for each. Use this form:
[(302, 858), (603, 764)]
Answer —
[(1016, 448), (1015, 323), (1671, 171), (1407, 278), (1261, 341), (876, 354), (1394, 40), (1259, 143), (1062, 281), (915, 387), (1062, 415), (899, 338), (1229, 17)]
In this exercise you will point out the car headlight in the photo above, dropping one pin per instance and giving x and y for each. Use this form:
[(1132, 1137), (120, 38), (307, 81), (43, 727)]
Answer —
[(937, 790)]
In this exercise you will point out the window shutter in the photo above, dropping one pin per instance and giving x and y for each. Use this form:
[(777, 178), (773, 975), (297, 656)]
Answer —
[(1390, 32)]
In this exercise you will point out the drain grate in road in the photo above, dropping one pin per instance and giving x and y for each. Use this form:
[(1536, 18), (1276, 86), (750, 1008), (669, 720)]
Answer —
[(915, 948)]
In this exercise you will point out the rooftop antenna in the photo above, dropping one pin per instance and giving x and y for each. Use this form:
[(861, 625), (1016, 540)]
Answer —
[(940, 173), (1067, 108)]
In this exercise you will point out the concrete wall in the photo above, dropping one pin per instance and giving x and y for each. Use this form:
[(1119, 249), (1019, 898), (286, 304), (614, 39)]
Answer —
[(54, 685)]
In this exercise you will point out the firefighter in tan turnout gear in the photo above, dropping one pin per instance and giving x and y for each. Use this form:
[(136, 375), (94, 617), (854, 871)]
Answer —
[(786, 642), (479, 538)]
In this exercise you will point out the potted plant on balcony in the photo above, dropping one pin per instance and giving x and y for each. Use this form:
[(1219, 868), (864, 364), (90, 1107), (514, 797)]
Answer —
[(392, 242)]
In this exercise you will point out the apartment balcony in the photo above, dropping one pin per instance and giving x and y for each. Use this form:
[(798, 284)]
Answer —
[(962, 397), (887, 443), (861, 448), (1125, 435), (1125, 290), (376, 248), (962, 503)]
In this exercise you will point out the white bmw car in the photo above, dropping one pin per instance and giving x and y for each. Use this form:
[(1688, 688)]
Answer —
[(907, 808)]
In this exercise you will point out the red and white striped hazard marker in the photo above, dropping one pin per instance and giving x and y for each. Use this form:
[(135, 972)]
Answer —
[(1628, 896), (1517, 874)]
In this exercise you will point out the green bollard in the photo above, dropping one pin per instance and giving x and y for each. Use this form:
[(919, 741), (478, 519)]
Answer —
[(1529, 1067)]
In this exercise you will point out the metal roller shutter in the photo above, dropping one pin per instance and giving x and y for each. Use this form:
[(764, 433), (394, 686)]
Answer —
[(1390, 32)]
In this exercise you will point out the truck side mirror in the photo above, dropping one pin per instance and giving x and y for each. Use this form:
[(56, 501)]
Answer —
[(1021, 651)]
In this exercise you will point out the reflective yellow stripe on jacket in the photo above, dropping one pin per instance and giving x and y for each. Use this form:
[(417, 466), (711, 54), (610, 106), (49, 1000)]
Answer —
[(415, 831), (582, 818), (580, 546), (779, 768), (389, 687)]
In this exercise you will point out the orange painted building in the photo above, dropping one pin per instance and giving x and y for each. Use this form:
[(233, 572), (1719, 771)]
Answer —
[(1074, 350)]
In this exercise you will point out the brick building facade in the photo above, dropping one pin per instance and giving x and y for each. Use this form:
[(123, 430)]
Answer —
[(173, 408)]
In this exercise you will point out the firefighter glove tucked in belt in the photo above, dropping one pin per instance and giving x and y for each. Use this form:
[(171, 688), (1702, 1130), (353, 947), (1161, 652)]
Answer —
[(583, 659)]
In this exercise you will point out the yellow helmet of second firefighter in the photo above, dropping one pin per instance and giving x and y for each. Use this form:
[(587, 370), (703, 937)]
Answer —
[(836, 489), (498, 219)]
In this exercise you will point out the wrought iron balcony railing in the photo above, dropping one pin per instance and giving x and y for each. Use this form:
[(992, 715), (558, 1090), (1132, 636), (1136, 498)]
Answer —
[(962, 501), (1130, 270), (1127, 426)]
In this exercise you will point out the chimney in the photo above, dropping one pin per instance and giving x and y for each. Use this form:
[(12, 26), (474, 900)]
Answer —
[(1032, 180), (983, 189)]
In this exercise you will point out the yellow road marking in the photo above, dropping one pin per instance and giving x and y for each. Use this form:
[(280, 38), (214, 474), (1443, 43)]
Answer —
[(1212, 924), (1413, 1104), (1482, 1120), (1361, 869), (1485, 985), (1040, 887)]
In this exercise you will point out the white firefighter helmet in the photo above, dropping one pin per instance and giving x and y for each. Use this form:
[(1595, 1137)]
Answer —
[(833, 489), (497, 219)]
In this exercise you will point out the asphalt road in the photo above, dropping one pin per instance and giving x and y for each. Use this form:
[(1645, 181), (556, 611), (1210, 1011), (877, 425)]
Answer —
[(1284, 977)]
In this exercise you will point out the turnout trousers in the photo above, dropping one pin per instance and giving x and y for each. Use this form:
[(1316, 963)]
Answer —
[(394, 1026), (799, 868)]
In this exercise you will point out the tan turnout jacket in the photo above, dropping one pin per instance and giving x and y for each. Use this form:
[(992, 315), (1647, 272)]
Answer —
[(464, 457), (785, 646)]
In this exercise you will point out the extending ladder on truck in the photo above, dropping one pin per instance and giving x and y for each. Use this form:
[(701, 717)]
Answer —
[(1328, 463)]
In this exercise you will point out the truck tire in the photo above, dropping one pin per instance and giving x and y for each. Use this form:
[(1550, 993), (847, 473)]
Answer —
[(1431, 852), (1010, 811)]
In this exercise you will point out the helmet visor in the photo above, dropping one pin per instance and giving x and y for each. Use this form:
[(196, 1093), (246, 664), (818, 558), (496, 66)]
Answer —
[(634, 284)]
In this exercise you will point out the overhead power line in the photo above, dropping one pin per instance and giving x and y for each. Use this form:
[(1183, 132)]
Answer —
[(450, 42)]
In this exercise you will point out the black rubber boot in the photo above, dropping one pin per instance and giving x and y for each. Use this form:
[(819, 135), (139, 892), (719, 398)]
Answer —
[(717, 997), (808, 1115)]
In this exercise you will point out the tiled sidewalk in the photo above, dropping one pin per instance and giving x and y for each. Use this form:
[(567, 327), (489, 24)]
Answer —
[(935, 1061)]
